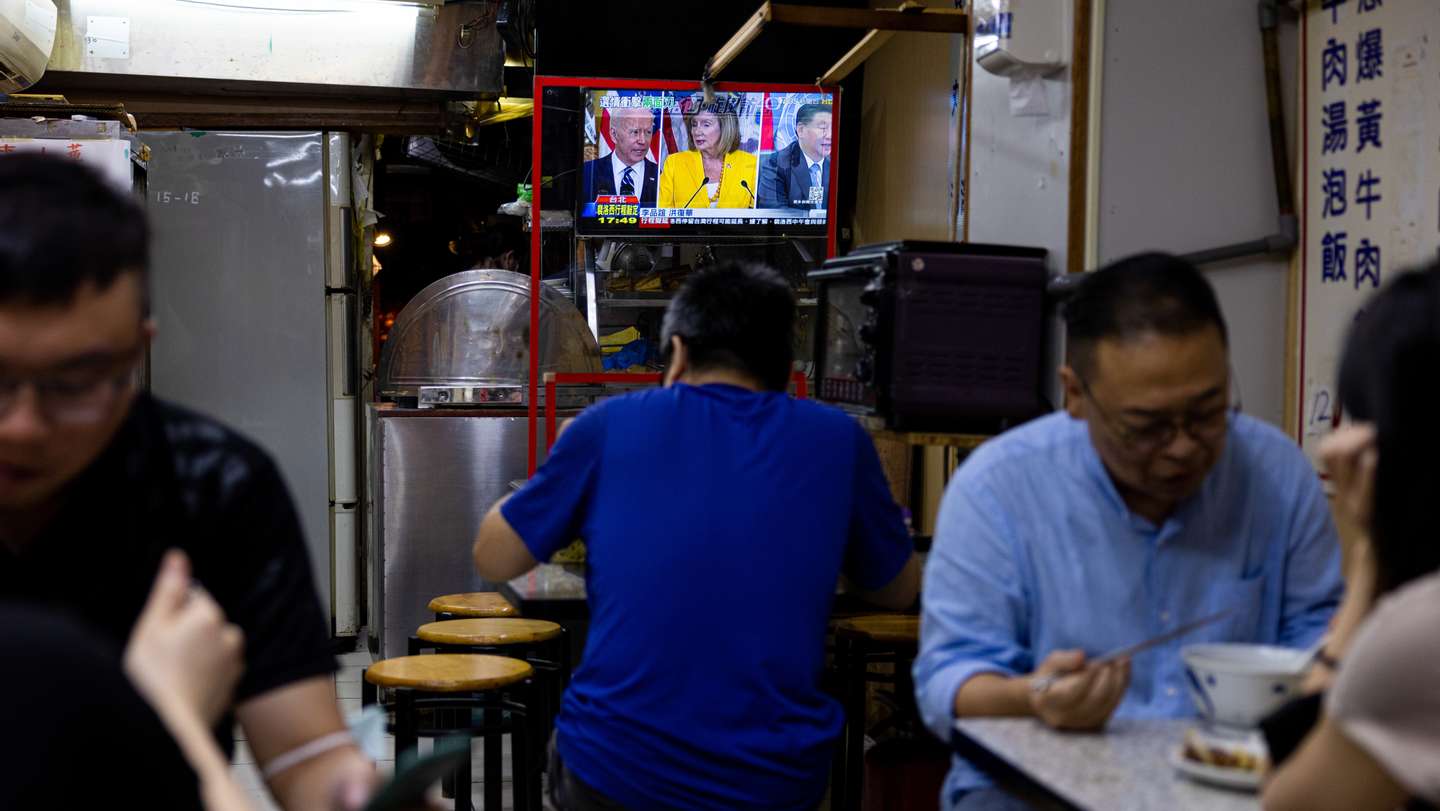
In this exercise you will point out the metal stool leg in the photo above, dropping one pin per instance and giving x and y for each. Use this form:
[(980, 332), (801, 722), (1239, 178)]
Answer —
[(369, 693), (494, 776), (527, 758), (520, 753), (837, 766), (562, 650), (539, 733), (405, 737), (461, 785), (855, 660)]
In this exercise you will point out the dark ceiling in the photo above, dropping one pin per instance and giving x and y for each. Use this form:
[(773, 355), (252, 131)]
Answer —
[(648, 39)]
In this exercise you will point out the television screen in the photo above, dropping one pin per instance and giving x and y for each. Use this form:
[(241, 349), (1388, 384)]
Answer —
[(671, 163)]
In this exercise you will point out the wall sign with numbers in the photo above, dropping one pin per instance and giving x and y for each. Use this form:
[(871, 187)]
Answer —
[(1371, 173)]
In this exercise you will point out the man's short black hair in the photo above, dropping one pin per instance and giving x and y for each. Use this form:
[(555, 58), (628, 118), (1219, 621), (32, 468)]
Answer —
[(736, 317), (1146, 293), (807, 113), (63, 226)]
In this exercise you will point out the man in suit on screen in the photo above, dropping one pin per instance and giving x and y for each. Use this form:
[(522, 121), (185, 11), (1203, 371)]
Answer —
[(798, 176), (625, 171)]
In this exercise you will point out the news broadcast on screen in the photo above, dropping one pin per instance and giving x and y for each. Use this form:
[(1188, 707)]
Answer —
[(668, 162)]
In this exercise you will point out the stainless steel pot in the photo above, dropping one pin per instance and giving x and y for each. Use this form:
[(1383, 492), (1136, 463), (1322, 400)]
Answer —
[(465, 340)]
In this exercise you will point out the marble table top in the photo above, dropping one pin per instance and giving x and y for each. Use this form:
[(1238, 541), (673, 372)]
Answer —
[(550, 581), (1125, 767)]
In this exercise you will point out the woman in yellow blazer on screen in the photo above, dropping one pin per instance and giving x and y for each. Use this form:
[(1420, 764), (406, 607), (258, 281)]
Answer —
[(710, 173)]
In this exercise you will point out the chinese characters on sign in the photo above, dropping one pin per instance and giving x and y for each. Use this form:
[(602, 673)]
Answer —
[(1347, 159), (1371, 170)]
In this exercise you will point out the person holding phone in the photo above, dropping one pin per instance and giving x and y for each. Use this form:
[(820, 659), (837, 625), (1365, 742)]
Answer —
[(1377, 742)]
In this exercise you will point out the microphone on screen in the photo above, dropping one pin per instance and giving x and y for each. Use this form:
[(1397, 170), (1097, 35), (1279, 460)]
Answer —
[(746, 187), (703, 183)]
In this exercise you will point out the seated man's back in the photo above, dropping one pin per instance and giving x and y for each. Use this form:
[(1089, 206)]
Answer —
[(716, 522), (717, 519)]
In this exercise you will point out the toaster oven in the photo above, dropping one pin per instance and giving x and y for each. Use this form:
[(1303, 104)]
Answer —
[(933, 336)]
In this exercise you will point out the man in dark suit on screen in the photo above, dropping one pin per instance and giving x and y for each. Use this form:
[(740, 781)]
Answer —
[(798, 176), (625, 171)]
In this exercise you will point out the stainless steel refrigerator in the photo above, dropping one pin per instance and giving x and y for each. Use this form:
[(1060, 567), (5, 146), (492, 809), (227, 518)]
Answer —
[(252, 286)]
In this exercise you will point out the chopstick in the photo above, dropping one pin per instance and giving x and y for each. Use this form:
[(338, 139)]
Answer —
[(1040, 684)]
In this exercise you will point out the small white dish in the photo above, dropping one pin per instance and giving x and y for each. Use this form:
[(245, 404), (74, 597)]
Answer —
[(1238, 779)]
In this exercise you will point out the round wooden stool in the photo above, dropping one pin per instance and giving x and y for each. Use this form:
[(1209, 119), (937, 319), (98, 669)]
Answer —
[(481, 633), (541, 643), (477, 604), (500, 687), (860, 642), (898, 629)]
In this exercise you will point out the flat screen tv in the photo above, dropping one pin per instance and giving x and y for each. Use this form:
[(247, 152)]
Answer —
[(663, 162)]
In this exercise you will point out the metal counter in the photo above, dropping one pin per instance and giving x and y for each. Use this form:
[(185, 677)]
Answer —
[(433, 476)]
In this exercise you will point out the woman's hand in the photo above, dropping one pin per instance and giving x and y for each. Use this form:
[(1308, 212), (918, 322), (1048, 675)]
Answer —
[(1350, 455)]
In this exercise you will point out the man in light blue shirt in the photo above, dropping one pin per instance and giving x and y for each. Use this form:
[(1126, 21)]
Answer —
[(1149, 502)]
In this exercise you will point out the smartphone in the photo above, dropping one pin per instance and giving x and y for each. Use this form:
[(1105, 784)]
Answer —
[(406, 790)]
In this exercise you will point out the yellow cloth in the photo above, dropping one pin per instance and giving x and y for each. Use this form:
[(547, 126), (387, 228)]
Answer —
[(683, 171), (619, 339)]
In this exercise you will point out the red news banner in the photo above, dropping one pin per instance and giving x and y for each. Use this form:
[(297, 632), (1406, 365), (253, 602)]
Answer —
[(615, 209)]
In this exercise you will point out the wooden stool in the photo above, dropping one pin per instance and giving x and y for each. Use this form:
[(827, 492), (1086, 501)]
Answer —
[(541, 643), (859, 643), (477, 604), (488, 632), (496, 685)]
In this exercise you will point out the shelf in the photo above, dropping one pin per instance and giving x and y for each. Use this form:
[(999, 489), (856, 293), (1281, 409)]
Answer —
[(632, 302), (968, 442), (665, 302), (567, 222), (808, 21)]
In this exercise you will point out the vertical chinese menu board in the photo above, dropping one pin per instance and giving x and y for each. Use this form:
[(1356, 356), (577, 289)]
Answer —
[(1371, 173)]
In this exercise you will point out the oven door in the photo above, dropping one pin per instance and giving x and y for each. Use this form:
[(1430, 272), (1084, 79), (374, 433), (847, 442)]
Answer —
[(848, 327)]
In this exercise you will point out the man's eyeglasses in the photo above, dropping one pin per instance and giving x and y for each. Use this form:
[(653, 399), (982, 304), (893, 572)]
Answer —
[(1205, 426), (79, 398)]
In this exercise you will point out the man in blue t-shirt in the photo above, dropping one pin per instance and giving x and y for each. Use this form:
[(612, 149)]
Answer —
[(718, 514)]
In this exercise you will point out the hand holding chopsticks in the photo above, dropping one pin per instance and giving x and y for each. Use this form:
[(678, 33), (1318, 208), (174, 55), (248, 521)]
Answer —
[(1069, 692)]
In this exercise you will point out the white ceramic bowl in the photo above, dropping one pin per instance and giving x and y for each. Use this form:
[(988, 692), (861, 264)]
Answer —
[(1238, 684)]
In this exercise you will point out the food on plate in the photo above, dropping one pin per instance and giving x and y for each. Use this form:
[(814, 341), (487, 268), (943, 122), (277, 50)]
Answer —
[(574, 553), (1243, 755)]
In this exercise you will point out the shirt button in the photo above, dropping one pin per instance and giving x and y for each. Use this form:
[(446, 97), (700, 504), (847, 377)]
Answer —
[(1164, 616), (1171, 691)]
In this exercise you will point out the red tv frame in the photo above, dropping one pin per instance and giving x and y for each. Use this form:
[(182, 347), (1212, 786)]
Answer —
[(536, 233)]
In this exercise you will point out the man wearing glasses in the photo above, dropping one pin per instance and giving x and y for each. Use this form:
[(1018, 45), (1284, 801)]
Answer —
[(626, 171), (1148, 503), (98, 479)]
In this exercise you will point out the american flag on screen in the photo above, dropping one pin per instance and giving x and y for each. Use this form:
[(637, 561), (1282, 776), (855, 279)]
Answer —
[(669, 133)]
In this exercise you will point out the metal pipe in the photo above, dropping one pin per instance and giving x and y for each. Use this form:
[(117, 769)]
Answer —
[(1286, 238), (1279, 153)]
